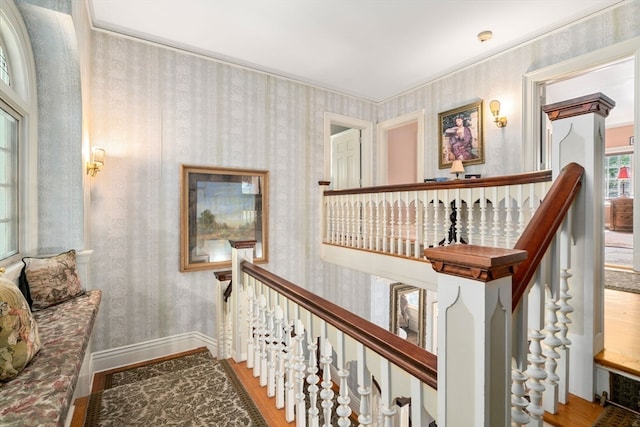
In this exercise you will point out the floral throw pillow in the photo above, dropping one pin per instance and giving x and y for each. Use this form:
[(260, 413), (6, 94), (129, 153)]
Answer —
[(19, 339), (52, 280)]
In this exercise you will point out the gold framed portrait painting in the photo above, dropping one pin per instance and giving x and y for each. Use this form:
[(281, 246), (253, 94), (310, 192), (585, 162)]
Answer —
[(460, 136)]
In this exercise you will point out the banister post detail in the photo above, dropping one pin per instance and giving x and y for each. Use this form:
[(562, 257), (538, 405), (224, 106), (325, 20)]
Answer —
[(578, 135), (474, 333), (240, 251)]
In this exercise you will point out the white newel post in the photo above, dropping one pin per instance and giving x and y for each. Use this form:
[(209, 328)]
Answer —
[(578, 136), (240, 251), (223, 292), (474, 333)]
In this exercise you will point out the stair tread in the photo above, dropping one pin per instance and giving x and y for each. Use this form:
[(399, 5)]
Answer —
[(621, 362)]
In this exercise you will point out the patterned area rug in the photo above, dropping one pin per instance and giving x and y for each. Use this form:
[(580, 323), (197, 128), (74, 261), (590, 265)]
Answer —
[(193, 390), (617, 417), (619, 280)]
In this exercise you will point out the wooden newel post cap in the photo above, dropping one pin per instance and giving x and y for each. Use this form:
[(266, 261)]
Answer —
[(242, 244), (475, 262)]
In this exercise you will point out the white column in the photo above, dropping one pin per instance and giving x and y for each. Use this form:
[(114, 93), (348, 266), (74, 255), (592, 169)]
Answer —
[(474, 333), (578, 136)]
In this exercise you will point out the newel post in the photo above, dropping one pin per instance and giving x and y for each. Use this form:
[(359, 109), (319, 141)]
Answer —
[(578, 135), (474, 333), (240, 251)]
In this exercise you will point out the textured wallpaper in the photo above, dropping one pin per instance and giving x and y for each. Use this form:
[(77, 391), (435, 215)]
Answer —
[(153, 108)]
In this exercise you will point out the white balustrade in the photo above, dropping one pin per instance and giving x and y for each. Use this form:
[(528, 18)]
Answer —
[(404, 222)]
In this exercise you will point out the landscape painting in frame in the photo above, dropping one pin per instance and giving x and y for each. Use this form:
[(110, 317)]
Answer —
[(460, 136), (219, 205)]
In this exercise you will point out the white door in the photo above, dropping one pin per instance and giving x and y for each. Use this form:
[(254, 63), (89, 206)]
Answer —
[(345, 158)]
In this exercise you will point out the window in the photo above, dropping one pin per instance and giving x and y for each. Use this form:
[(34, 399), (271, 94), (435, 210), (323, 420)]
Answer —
[(4, 66), (613, 187), (9, 225)]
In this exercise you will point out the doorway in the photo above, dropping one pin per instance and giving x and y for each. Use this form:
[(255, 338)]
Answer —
[(350, 127), (401, 149), (616, 80)]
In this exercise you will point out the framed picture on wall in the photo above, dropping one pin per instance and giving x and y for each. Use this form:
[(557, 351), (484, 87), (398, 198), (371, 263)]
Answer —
[(460, 136), (218, 205)]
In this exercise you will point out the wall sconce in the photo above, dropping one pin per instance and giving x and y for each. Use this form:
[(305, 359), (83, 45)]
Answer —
[(494, 106), (623, 175), (457, 168), (97, 161)]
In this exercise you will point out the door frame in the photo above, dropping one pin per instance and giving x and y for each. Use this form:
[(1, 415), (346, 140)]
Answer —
[(531, 118), (366, 143), (396, 122)]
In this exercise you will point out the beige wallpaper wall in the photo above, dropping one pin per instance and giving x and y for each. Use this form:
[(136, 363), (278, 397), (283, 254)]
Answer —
[(153, 109)]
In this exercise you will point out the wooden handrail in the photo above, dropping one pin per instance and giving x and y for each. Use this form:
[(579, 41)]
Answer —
[(495, 181), (544, 225), (409, 357)]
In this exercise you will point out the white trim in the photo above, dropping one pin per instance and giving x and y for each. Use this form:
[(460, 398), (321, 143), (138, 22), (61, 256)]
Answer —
[(366, 129), (384, 127), (147, 350)]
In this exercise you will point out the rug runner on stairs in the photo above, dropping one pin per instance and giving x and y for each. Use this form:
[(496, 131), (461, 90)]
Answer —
[(192, 390)]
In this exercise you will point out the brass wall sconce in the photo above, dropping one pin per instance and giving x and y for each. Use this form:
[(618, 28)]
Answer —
[(494, 106), (97, 161)]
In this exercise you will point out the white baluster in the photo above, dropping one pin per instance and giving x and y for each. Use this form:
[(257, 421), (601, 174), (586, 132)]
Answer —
[(436, 219), (312, 380), (519, 416), (343, 410), (407, 225), (458, 224), (387, 408), (327, 393), (251, 326), (417, 226), (301, 416), (471, 223), (483, 217), (385, 224), (425, 219), (550, 343), (364, 388), (495, 204), (447, 217), (379, 220), (289, 366), (536, 375), (260, 332), (272, 348), (508, 226), (371, 222), (392, 224), (280, 358)]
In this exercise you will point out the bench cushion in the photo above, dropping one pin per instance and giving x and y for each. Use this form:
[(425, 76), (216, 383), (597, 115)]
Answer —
[(42, 394)]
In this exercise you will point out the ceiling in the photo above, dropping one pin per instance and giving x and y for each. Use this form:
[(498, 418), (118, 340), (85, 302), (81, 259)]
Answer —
[(373, 49)]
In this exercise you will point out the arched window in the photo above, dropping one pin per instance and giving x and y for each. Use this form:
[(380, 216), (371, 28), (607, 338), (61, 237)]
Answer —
[(18, 144), (4, 66)]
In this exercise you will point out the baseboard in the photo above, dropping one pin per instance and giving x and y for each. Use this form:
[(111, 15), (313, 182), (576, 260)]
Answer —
[(147, 350)]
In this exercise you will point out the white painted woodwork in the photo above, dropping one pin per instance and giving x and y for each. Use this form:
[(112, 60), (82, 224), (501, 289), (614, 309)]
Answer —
[(580, 139), (345, 158), (474, 366)]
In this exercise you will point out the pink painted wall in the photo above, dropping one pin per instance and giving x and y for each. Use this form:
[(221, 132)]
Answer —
[(401, 154)]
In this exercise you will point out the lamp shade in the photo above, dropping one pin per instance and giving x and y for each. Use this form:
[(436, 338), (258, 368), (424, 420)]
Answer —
[(623, 173), (457, 167)]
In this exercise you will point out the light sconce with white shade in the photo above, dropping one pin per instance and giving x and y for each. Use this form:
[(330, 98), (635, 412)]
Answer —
[(457, 167), (494, 106), (97, 161)]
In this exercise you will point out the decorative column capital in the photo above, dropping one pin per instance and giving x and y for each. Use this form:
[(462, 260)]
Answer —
[(597, 103), (242, 244), (474, 262)]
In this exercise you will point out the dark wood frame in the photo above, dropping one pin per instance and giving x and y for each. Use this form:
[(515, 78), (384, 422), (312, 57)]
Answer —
[(472, 114), (226, 193)]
